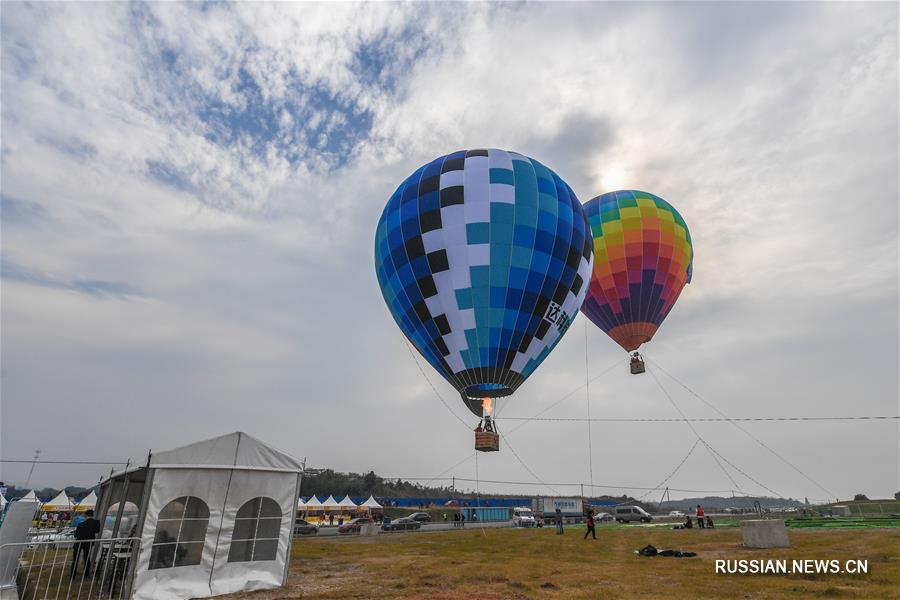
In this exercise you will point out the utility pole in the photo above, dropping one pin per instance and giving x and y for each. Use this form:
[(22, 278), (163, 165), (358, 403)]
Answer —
[(37, 455)]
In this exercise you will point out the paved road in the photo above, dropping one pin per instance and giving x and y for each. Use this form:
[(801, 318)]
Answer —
[(329, 531)]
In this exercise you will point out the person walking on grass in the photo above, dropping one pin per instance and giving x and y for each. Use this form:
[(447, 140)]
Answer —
[(590, 526), (559, 522), (86, 531)]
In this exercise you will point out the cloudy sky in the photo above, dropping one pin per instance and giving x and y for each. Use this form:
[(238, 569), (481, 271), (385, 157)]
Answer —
[(190, 193)]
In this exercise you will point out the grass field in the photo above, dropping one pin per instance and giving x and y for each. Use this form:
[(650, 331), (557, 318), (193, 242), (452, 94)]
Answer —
[(509, 563)]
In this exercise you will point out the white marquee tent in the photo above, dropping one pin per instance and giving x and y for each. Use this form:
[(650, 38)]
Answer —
[(347, 503), (61, 502), (371, 503), (88, 502), (330, 503), (30, 497), (216, 517), (313, 504)]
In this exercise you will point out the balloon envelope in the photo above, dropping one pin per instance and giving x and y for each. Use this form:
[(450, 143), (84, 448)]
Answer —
[(642, 259), (483, 258)]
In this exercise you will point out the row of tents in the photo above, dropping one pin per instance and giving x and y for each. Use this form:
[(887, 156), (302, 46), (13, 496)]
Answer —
[(314, 504), (60, 503)]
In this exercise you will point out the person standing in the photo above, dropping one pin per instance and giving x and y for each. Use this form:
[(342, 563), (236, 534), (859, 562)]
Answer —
[(700, 515), (590, 526), (559, 522), (86, 531)]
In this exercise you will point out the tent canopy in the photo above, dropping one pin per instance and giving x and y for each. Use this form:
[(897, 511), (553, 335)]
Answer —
[(331, 503), (347, 502), (313, 503), (226, 452), (371, 503), (217, 479), (89, 501), (60, 502), (301, 503), (29, 497)]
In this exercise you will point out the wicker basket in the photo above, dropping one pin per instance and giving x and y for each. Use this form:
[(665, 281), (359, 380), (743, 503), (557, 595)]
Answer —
[(486, 441)]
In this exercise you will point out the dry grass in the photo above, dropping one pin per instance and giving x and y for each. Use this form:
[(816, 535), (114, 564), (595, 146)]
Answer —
[(507, 563)]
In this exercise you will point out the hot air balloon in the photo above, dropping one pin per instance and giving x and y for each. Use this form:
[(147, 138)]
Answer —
[(642, 259), (483, 258)]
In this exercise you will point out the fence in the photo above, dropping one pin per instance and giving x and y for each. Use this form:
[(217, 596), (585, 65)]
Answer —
[(65, 569)]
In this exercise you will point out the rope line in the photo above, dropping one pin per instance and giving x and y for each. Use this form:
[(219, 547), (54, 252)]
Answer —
[(672, 474), (698, 419), (587, 393), (567, 396), (445, 471), (434, 389), (527, 468), (689, 424), (751, 436), (563, 484)]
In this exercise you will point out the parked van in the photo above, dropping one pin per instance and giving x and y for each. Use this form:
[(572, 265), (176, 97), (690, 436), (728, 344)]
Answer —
[(627, 514), (523, 517)]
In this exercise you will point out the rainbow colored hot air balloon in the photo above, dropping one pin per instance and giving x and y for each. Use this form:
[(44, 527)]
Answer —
[(483, 258), (642, 259)]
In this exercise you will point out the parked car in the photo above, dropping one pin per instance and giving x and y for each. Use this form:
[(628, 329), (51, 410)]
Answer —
[(354, 525), (602, 517), (421, 517), (302, 527), (676, 513), (523, 517), (403, 524), (627, 514)]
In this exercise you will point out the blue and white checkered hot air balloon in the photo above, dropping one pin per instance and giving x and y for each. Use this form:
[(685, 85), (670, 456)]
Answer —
[(484, 258)]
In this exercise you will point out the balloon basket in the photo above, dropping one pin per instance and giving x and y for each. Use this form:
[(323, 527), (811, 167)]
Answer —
[(487, 441), (637, 366)]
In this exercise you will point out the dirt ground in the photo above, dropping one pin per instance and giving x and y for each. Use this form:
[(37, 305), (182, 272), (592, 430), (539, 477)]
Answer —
[(510, 563)]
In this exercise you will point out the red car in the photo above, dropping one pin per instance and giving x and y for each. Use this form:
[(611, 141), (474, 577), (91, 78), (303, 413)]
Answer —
[(354, 525)]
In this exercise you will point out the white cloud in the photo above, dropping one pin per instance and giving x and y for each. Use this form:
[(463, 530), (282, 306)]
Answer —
[(773, 129)]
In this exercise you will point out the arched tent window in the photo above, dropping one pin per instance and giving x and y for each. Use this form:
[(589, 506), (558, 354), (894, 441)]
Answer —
[(180, 533), (128, 524), (256, 530)]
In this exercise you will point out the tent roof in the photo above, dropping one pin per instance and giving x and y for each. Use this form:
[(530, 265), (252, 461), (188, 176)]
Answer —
[(61, 500), (29, 497), (226, 452), (301, 503), (371, 503), (2, 500), (330, 502), (89, 501), (313, 503), (347, 502)]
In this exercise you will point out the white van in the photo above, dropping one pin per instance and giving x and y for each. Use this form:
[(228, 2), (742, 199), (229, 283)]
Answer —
[(627, 514), (523, 517)]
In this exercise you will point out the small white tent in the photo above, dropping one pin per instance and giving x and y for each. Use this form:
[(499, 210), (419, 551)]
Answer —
[(330, 503), (313, 504), (30, 497), (86, 503), (347, 503), (216, 518), (301, 505), (60, 503), (371, 503), (2, 502)]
